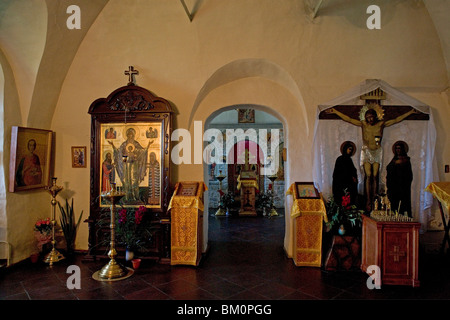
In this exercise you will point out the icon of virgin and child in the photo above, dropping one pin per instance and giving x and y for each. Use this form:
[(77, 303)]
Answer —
[(130, 162)]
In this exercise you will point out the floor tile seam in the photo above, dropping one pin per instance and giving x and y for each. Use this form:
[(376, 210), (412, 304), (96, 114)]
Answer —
[(198, 288), (224, 298), (150, 286), (299, 291), (24, 290), (173, 297)]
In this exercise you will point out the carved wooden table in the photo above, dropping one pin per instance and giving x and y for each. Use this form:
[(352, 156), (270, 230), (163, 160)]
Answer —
[(394, 248)]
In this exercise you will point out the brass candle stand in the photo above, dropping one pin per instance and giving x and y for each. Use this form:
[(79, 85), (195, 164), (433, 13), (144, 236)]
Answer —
[(113, 270), (54, 255), (220, 211), (273, 212)]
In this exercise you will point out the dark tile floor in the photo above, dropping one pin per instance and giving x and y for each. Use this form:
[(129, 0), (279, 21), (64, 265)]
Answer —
[(245, 261)]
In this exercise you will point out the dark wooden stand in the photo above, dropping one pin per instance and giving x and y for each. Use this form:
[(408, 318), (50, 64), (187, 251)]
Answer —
[(344, 254), (394, 248)]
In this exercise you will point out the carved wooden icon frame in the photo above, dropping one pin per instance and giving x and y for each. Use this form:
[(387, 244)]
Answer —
[(131, 110)]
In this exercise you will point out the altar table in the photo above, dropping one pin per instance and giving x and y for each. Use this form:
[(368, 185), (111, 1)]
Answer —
[(187, 209), (247, 185), (307, 216), (441, 191), (394, 248)]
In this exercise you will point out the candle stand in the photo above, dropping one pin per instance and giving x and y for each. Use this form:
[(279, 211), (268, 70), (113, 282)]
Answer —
[(54, 255), (113, 270)]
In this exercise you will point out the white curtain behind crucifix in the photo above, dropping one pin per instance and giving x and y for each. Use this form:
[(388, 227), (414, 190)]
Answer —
[(420, 135)]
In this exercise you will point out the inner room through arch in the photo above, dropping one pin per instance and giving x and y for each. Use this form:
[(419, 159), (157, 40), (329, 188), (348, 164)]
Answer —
[(245, 158)]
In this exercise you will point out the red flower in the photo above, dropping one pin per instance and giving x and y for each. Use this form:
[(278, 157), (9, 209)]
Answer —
[(270, 186), (139, 214), (346, 201), (221, 192), (123, 216)]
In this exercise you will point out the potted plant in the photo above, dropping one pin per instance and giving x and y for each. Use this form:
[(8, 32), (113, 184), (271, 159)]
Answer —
[(132, 231), (226, 200), (343, 218), (43, 232), (69, 225), (264, 201)]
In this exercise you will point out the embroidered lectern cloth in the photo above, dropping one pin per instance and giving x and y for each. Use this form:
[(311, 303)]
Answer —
[(307, 216), (186, 225), (441, 191)]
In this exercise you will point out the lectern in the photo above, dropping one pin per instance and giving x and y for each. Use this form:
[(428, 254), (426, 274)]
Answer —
[(186, 208)]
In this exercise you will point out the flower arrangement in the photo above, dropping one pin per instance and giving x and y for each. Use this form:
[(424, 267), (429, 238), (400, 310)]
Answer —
[(264, 200), (131, 231), (345, 214), (226, 199), (43, 232)]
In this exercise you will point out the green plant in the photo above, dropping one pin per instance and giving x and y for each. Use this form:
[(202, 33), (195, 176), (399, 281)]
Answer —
[(69, 225), (264, 200), (343, 214), (133, 231), (226, 200)]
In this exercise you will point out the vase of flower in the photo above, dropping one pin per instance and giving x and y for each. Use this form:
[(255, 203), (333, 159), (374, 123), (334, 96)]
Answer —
[(34, 257), (129, 254), (136, 263)]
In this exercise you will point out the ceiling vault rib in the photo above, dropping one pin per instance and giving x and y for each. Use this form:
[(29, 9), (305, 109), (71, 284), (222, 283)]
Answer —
[(189, 14), (316, 9)]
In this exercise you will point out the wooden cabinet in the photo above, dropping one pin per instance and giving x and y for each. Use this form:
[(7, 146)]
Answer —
[(394, 248), (130, 149)]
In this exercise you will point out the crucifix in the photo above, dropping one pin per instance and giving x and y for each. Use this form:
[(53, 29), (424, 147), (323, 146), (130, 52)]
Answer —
[(130, 73)]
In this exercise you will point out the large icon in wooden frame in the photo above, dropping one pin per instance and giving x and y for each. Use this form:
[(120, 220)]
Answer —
[(130, 132)]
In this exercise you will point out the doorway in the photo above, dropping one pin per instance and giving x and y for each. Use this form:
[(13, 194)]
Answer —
[(222, 178)]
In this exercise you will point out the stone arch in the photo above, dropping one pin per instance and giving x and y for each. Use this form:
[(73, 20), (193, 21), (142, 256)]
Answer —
[(250, 68)]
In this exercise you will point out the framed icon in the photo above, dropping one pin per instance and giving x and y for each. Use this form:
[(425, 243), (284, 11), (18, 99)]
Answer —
[(30, 159), (78, 157), (306, 190)]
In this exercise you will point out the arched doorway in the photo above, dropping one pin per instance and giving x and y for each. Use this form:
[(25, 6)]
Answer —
[(236, 158)]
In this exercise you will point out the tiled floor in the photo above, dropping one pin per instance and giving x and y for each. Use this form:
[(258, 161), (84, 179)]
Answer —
[(246, 261)]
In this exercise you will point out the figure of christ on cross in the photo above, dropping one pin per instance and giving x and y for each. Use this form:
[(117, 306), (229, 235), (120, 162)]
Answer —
[(371, 151)]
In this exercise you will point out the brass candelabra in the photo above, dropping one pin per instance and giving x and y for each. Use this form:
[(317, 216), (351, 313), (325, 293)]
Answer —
[(220, 211), (112, 270), (273, 212), (54, 255)]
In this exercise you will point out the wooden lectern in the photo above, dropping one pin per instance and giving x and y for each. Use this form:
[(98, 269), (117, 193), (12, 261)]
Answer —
[(308, 213)]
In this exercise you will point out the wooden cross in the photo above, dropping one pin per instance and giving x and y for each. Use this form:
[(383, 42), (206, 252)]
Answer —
[(397, 253), (247, 193), (130, 72)]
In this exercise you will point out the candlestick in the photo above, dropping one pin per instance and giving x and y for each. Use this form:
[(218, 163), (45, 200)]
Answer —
[(54, 255), (112, 270)]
